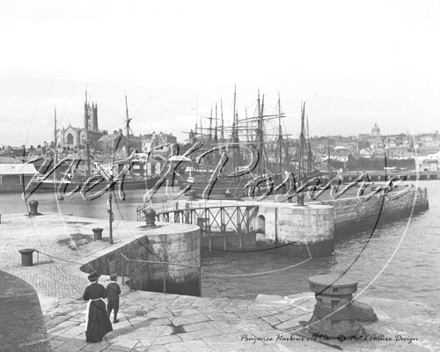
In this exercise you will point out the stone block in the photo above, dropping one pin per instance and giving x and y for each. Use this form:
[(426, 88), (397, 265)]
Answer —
[(199, 334)]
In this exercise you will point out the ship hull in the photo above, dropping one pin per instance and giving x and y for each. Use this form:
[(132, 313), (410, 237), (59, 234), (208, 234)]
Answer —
[(50, 186)]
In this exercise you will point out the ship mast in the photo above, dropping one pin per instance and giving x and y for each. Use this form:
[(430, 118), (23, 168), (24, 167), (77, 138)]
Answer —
[(223, 123), (247, 126), (280, 135), (86, 128), (234, 129), (260, 137), (210, 128), (328, 157), (216, 126), (127, 125), (55, 136), (309, 149), (301, 152)]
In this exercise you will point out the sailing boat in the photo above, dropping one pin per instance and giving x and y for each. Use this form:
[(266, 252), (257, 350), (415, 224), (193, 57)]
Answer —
[(47, 179), (244, 158), (272, 153)]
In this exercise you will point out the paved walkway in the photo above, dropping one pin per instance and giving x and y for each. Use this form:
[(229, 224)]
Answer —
[(156, 322), (164, 322), (63, 242)]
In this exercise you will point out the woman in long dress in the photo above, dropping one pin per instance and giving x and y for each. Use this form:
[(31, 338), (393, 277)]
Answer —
[(98, 323)]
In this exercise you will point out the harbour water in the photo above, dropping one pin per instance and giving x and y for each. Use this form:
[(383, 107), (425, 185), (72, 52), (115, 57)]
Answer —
[(399, 260)]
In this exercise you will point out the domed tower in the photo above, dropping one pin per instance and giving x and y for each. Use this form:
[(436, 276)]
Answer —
[(375, 132)]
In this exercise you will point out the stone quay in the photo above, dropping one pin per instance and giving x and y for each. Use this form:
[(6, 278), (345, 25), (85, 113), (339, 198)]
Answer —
[(297, 230), (154, 321)]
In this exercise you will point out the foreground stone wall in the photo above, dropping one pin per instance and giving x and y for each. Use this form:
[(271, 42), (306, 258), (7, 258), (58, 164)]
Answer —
[(22, 327), (173, 243), (351, 213)]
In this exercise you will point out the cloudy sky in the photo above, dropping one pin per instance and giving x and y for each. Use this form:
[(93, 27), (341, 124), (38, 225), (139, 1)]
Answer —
[(354, 63)]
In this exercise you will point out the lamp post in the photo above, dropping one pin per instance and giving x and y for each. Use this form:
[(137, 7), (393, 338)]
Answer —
[(110, 217), (110, 211)]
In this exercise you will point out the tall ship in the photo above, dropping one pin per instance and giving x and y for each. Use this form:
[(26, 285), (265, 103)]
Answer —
[(253, 154), (82, 170)]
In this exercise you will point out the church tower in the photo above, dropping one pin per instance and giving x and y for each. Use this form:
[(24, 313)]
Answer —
[(95, 117)]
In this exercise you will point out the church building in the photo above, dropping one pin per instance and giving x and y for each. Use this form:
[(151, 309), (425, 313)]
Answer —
[(75, 137)]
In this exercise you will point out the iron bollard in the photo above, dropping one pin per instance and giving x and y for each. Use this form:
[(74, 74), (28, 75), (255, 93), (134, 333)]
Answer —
[(33, 205), (150, 217), (97, 233), (26, 256), (192, 195), (333, 315)]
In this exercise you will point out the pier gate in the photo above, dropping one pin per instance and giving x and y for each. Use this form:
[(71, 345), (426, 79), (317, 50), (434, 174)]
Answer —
[(223, 224)]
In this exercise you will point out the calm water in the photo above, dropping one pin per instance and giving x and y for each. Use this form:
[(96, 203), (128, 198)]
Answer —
[(399, 260)]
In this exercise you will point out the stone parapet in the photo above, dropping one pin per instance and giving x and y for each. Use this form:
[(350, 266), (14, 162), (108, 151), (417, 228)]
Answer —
[(22, 327), (353, 213), (299, 230), (11, 188), (176, 244)]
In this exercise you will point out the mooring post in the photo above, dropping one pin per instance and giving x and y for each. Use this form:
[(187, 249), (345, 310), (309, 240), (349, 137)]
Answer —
[(177, 212), (110, 216), (187, 213), (333, 315), (240, 235), (225, 240), (208, 228)]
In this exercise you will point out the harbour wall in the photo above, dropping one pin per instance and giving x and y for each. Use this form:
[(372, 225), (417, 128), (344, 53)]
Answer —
[(11, 188), (296, 230), (173, 243), (241, 225), (300, 230), (353, 214)]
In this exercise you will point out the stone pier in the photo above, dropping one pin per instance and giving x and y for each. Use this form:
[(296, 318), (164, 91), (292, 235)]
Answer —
[(176, 244), (354, 214), (297, 230)]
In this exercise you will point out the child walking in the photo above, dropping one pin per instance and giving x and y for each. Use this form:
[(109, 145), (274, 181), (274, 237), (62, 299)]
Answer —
[(113, 292)]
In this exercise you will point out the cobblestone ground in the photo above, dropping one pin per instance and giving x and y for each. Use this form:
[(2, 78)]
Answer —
[(62, 243)]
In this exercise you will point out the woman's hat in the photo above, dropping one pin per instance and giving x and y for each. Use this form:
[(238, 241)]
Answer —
[(93, 276)]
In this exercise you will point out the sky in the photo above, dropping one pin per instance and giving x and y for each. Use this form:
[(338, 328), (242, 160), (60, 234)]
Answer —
[(354, 64)]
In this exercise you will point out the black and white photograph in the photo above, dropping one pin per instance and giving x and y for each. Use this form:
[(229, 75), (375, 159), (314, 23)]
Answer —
[(219, 175)]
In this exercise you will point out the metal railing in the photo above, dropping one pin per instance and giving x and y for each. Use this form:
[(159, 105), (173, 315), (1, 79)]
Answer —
[(165, 267)]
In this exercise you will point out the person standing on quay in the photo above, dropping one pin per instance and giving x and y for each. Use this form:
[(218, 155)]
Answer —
[(97, 322), (113, 292)]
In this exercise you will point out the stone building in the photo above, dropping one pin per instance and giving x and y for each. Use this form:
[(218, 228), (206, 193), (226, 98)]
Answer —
[(13, 172), (111, 143), (74, 137), (375, 131), (376, 139)]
